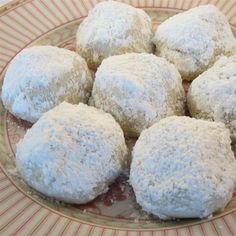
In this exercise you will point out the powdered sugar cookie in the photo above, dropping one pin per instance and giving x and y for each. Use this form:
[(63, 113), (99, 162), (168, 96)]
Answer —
[(183, 168), (41, 77), (212, 95), (64, 154), (193, 40), (113, 28), (138, 90)]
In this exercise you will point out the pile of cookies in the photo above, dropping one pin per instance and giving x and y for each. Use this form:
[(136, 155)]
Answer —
[(181, 167)]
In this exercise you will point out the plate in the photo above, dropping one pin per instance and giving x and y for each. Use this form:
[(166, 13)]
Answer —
[(23, 211)]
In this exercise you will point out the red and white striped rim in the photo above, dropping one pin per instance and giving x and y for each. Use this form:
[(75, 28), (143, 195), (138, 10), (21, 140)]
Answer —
[(22, 23)]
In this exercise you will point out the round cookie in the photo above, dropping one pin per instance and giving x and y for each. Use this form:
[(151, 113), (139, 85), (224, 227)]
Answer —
[(138, 89), (183, 168), (41, 77), (193, 40), (212, 95), (64, 154), (113, 28)]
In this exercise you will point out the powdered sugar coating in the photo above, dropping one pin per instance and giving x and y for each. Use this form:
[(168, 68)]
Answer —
[(183, 168), (212, 95), (138, 90), (41, 77), (193, 40), (113, 28), (72, 153)]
